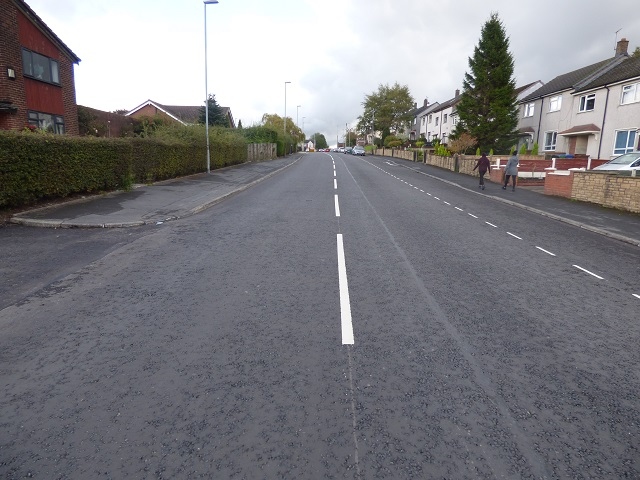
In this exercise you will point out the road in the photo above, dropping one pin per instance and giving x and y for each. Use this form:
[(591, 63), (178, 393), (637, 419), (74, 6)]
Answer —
[(347, 318)]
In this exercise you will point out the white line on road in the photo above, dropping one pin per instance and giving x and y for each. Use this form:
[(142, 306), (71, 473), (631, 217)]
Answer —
[(491, 225), (429, 194), (458, 208), (590, 273), (509, 233), (446, 203), (436, 198), (421, 190), (334, 173), (546, 251), (345, 304), (416, 188), (635, 295), (335, 184), (472, 215), (337, 207)]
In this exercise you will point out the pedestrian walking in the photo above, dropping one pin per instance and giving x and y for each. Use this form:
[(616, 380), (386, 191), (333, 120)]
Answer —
[(483, 165), (511, 170)]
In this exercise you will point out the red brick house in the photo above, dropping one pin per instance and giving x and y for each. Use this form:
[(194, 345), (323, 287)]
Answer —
[(186, 115), (37, 84)]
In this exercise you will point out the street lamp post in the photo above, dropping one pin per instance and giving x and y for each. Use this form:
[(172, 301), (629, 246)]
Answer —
[(285, 111), (297, 121), (206, 84)]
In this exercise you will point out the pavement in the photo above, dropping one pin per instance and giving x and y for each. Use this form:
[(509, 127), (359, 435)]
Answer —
[(182, 197)]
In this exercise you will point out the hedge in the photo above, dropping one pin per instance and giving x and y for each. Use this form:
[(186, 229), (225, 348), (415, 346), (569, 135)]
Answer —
[(35, 166)]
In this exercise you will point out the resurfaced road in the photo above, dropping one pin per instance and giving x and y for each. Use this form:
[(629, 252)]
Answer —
[(346, 318)]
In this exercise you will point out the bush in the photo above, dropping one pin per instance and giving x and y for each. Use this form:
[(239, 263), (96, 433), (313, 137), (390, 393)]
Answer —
[(35, 167), (534, 151)]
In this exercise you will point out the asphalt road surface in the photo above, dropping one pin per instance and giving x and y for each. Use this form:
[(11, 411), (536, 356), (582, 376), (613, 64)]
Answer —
[(346, 318)]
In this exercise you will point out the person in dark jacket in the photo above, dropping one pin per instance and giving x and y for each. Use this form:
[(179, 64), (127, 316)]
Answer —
[(511, 170), (483, 165)]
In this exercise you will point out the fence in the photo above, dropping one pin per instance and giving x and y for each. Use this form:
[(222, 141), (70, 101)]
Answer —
[(257, 152)]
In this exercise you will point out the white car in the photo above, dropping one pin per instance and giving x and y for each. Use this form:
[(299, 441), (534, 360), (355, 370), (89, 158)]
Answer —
[(627, 162)]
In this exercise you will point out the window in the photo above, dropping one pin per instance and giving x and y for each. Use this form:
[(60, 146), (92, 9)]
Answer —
[(423, 119), (550, 141), (45, 121), (415, 120), (625, 142), (587, 102), (630, 94), (454, 119), (430, 118), (40, 67), (528, 110), (555, 103), (437, 118), (444, 119)]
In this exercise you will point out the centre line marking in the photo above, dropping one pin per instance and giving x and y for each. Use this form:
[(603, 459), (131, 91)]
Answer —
[(509, 233), (436, 198), (590, 273), (334, 173), (335, 184), (546, 251), (491, 224), (337, 206), (458, 208), (446, 203), (472, 215), (635, 295), (345, 304)]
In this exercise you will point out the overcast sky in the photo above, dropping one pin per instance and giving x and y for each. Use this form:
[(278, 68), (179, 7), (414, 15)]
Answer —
[(334, 52)]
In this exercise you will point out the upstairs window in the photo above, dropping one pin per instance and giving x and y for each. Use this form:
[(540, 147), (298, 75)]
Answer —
[(437, 118), (555, 103), (630, 94), (40, 67), (430, 118), (444, 119), (528, 110), (587, 102), (625, 142)]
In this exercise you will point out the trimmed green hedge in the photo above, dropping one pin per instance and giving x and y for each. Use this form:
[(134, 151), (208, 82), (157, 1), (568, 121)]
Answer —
[(35, 167)]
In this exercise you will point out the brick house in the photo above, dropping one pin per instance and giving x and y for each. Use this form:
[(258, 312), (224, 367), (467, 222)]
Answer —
[(186, 115), (37, 85)]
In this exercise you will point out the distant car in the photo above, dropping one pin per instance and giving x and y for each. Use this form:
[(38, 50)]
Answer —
[(340, 149), (348, 150), (627, 162), (358, 150)]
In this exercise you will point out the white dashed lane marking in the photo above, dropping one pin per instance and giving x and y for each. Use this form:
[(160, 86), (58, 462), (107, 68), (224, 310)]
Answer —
[(587, 271), (546, 251)]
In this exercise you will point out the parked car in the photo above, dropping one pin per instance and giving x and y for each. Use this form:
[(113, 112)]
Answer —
[(626, 162), (358, 150), (348, 150)]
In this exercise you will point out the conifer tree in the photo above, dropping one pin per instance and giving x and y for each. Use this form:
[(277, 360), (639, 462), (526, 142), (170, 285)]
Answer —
[(216, 115), (488, 107)]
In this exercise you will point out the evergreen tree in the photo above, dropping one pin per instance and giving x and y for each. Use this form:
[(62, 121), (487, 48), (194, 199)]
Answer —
[(240, 124), (216, 115), (488, 107)]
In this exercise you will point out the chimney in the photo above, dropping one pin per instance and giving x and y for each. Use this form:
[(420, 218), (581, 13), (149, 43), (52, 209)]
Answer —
[(622, 46), (426, 102), (415, 105), (457, 92)]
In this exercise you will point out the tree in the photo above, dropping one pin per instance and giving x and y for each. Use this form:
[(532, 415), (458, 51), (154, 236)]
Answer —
[(216, 115), (488, 106), (636, 53), (120, 111), (388, 110), (276, 122), (462, 143), (239, 124), (319, 140)]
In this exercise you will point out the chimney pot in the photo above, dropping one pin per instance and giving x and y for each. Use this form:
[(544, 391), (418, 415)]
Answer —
[(622, 47), (457, 92)]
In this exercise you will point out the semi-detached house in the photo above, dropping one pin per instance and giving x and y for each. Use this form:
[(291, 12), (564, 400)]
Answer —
[(592, 111), (37, 86)]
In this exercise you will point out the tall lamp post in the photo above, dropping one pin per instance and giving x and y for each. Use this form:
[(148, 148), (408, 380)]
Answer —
[(206, 84), (297, 121), (285, 108)]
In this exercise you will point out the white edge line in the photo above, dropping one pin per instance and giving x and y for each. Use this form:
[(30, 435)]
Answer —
[(590, 273), (345, 304), (509, 233), (546, 251), (337, 206)]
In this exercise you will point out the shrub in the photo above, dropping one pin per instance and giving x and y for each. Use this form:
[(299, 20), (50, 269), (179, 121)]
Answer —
[(534, 150)]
